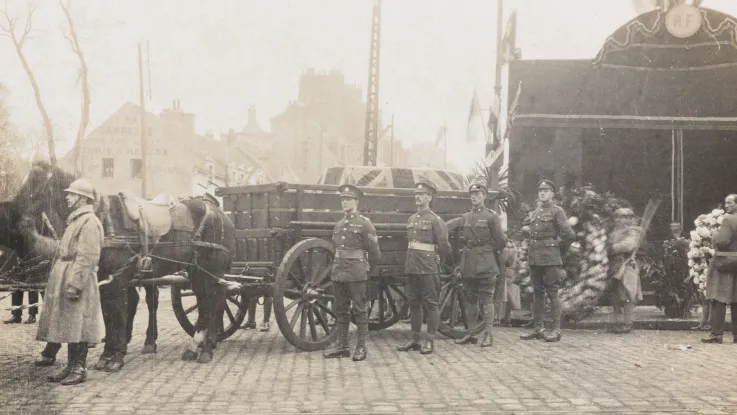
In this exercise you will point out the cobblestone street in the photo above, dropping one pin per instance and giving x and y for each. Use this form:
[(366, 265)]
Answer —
[(256, 372)]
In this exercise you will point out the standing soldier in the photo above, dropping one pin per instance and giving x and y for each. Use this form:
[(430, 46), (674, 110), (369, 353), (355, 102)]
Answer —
[(484, 241), (72, 312), (356, 255), (427, 248), (550, 237)]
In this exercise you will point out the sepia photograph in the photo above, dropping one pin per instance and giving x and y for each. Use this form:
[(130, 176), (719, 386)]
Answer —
[(368, 206)]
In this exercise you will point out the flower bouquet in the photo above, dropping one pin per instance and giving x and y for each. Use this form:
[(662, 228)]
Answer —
[(673, 289), (701, 249)]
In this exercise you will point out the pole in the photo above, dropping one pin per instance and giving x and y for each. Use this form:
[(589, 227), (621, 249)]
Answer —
[(391, 150), (499, 60), (445, 144), (322, 134), (144, 147)]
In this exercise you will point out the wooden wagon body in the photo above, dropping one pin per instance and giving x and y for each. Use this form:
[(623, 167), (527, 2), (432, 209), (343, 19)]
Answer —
[(283, 234)]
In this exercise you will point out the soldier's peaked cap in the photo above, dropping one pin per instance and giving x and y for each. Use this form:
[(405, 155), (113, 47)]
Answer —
[(349, 190), (424, 186), (545, 184), (478, 186)]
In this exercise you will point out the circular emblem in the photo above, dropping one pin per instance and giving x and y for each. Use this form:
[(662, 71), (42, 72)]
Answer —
[(683, 20)]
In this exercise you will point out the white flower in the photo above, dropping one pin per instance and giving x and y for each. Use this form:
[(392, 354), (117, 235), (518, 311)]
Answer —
[(720, 219), (690, 263), (703, 232), (573, 221), (702, 285)]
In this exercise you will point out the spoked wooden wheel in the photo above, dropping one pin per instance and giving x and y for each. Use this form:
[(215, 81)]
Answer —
[(184, 303), (385, 305), (453, 310), (303, 290)]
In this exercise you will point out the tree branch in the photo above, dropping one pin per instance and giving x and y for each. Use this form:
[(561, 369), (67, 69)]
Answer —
[(18, 42), (85, 117)]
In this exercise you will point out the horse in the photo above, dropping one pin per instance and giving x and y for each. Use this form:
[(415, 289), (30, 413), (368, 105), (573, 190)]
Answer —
[(205, 254)]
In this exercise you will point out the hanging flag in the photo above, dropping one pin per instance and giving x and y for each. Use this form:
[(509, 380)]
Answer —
[(476, 128), (440, 136)]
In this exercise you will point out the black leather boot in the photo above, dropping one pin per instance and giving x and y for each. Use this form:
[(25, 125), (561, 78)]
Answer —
[(538, 334), (428, 347), (14, 319), (77, 375), (487, 340), (552, 336), (336, 352), (31, 319), (713, 339), (467, 339), (412, 345), (360, 354), (148, 348)]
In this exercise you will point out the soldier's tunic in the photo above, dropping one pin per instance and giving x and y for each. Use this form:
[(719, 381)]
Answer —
[(550, 237), (484, 240), (427, 248), (356, 252)]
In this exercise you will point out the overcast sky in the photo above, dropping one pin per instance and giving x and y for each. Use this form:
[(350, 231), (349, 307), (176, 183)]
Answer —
[(218, 57)]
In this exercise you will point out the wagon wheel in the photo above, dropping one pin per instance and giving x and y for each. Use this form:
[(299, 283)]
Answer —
[(302, 292), (184, 303), (383, 310)]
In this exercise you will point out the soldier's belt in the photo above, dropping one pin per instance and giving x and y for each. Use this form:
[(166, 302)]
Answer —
[(544, 242), (350, 253), (420, 246), (478, 244)]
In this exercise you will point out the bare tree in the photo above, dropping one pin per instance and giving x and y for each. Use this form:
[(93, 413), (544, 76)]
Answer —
[(9, 28), (85, 118)]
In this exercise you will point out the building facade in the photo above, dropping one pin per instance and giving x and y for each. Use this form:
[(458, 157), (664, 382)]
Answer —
[(179, 162)]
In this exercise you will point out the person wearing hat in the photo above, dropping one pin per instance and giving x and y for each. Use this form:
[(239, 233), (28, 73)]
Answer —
[(427, 248), (550, 237), (72, 312), (624, 289), (356, 256), (483, 242)]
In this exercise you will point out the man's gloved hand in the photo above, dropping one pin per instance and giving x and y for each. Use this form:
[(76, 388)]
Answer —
[(73, 294)]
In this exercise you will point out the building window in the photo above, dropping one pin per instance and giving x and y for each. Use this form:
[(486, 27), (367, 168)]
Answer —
[(108, 168), (136, 168)]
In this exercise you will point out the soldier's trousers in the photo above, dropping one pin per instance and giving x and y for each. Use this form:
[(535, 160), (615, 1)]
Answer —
[(17, 299), (351, 297), (423, 289), (718, 314), (479, 291), (546, 280)]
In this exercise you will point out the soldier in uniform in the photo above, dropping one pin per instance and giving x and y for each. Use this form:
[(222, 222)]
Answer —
[(550, 237), (356, 256), (484, 240), (427, 248)]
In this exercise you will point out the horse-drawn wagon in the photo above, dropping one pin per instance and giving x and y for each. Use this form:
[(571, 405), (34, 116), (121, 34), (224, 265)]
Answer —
[(279, 246)]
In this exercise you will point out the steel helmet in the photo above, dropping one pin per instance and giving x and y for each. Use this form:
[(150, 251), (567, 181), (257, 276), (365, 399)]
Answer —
[(81, 187)]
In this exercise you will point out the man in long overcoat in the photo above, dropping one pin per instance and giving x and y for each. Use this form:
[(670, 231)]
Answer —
[(721, 286), (72, 312)]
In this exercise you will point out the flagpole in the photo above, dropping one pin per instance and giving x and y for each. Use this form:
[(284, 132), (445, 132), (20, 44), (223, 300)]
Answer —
[(445, 144)]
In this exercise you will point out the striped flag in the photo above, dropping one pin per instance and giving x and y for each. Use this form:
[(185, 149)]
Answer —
[(476, 128)]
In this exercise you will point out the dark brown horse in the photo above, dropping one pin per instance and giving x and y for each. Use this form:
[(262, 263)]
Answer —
[(41, 196)]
